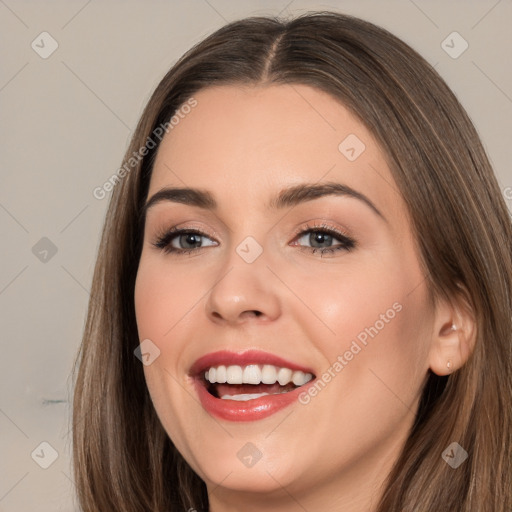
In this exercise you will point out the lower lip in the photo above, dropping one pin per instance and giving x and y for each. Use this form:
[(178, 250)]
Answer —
[(249, 410)]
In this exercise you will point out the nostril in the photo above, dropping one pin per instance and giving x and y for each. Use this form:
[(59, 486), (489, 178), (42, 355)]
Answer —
[(253, 312)]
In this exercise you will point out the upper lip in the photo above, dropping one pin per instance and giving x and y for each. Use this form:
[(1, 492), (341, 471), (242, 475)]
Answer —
[(247, 357)]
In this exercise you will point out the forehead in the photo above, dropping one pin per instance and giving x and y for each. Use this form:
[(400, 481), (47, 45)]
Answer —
[(247, 142)]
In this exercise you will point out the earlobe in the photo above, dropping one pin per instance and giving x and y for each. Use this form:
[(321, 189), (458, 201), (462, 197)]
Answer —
[(453, 339)]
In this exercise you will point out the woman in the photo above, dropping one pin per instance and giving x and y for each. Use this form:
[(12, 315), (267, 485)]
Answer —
[(309, 252)]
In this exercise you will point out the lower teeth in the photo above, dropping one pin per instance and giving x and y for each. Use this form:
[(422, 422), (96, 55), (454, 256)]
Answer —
[(248, 396)]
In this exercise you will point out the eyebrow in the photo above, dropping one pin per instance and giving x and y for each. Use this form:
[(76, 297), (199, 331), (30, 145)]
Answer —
[(289, 197)]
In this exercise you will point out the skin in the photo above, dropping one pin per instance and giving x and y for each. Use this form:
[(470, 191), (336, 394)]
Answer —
[(245, 144)]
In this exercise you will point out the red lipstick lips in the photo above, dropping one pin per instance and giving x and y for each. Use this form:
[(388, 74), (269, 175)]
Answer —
[(238, 407)]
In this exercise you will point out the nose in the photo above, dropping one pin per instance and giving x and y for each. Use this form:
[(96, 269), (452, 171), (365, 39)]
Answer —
[(244, 292)]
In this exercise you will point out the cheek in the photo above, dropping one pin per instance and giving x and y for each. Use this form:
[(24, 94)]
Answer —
[(164, 297), (163, 307), (369, 324), (375, 309), (373, 314)]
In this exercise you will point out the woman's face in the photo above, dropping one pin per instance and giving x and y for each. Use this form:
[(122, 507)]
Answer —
[(325, 282)]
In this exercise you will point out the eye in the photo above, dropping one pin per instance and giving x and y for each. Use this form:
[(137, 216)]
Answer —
[(181, 241), (322, 239)]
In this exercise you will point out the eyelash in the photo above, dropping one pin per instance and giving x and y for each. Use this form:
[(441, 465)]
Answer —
[(163, 241)]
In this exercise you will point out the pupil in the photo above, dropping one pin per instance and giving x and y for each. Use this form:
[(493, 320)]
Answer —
[(191, 238), (320, 238)]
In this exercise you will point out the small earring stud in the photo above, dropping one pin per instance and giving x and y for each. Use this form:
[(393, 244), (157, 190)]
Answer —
[(449, 364)]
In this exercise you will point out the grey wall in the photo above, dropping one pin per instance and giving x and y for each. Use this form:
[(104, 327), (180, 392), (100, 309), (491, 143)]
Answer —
[(65, 122)]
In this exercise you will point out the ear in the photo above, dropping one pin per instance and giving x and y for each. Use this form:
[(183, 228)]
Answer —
[(453, 335)]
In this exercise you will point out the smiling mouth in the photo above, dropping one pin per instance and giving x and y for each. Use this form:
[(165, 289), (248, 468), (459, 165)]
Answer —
[(249, 382)]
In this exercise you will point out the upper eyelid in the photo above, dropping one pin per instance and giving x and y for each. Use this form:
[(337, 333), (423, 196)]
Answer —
[(148, 214), (163, 229), (150, 207), (303, 227)]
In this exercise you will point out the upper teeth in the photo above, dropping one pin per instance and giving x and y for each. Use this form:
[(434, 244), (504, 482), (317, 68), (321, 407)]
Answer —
[(256, 374)]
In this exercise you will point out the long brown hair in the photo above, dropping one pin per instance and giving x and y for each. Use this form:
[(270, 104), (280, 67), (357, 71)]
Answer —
[(123, 458)]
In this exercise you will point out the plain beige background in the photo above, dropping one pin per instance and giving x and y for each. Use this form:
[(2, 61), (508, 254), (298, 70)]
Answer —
[(65, 123)]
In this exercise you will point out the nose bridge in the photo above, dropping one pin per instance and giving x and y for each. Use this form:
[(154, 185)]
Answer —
[(245, 287)]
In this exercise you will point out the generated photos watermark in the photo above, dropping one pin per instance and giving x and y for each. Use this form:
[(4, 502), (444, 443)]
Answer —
[(356, 347), (137, 156)]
